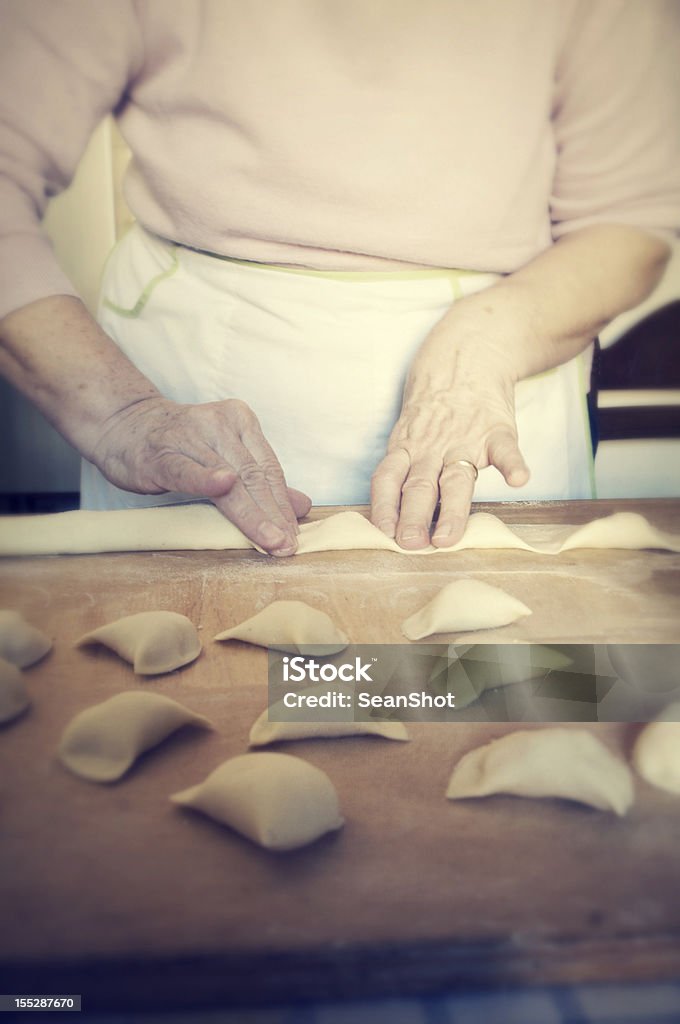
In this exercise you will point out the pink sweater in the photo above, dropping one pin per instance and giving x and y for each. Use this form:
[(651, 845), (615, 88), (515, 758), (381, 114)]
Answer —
[(346, 134)]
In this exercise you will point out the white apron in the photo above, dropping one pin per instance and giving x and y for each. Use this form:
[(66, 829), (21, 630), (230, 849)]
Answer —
[(321, 359)]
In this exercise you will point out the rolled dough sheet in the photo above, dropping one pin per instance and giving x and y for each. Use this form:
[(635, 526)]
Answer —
[(200, 527)]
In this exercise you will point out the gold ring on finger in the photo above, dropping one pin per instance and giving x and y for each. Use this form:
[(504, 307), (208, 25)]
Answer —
[(466, 462)]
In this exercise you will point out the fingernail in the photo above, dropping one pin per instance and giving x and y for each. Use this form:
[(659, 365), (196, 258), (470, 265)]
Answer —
[(387, 527), (410, 533), (450, 533), (271, 536), (285, 552)]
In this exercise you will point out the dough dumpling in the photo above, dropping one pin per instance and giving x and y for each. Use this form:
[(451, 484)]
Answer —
[(153, 642), (624, 530), (20, 642), (656, 754), (462, 606), (567, 763), (103, 742), (264, 732), (290, 626), (278, 801), (14, 697)]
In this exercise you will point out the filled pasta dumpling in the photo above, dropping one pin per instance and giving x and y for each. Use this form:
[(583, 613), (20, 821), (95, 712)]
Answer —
[(656, 754), (103, 742), (290, 626), (265, 731), (21, 643), (568, 763), (462, 606), (153, 642), (278, 801)]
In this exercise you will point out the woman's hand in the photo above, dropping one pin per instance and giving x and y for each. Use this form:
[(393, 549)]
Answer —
[(457, 414), (459, 397), (61, 359), (217, 451)]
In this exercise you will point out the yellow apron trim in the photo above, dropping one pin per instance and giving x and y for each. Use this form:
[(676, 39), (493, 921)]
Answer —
[(348, 275), (134, 311)]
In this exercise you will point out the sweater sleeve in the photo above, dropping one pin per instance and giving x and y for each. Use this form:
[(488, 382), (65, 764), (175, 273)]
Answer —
[(616, 118), (64, 64)]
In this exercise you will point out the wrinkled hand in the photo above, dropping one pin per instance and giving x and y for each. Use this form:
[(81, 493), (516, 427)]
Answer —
[(215, 451), (458, 405)]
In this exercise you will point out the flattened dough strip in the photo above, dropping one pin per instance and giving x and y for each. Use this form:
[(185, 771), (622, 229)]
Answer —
[(200, 527)]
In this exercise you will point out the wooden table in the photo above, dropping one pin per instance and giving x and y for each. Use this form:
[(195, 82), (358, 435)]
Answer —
[(113, 892)]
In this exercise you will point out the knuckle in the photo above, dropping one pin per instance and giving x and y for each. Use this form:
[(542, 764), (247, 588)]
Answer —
[(386, 480), (398, 454), (420, 485), (381, 475), (169, 462), (272, 470), (241, 410), (252, 475)]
